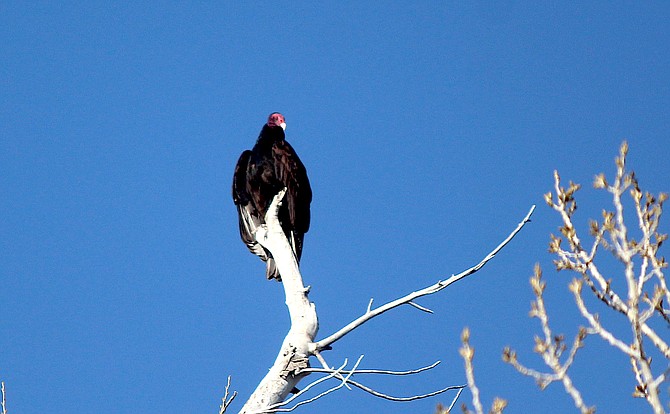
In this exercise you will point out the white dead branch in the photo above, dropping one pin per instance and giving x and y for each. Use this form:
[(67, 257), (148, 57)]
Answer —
[(409, 299), (295, 351), (226, 400), (292, 362)]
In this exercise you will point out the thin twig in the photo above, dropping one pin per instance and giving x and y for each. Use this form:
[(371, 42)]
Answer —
[(378, 394), (375, 371), (419, 307), (551, 347), (326, 367), (468, 354), (575, 287), (225, 401), (405, 399), (4, 403), (453, 402)]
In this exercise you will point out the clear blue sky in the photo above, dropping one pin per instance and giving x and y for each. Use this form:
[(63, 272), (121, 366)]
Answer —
[(428, 130)]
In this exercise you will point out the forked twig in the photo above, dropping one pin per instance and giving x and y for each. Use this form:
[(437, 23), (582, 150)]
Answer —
[(225, 401)]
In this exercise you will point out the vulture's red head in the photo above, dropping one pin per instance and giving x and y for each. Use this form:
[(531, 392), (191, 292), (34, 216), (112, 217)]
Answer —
[(277, 119)]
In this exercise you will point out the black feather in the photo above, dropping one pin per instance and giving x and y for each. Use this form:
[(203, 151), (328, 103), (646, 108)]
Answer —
[(272, 164)]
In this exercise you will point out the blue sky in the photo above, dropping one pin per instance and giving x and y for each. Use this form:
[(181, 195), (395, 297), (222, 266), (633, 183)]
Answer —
[(428, 130)]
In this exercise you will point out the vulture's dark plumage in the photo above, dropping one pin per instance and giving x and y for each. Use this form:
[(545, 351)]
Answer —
[(260, 174)]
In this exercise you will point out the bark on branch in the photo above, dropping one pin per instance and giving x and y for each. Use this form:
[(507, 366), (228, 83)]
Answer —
[(294, 353)]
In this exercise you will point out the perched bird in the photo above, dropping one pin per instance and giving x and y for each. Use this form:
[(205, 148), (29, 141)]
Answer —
[(260, 174)]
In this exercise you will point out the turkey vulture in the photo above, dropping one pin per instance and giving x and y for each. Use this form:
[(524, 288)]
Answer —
[(260, 174)]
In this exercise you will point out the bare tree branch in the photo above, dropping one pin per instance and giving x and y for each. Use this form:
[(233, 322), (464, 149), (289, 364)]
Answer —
[(225, 401), (292, 362), (641, 264), (596, 326), (419, 307), (371, 313), (294, 353), (468, 353), (4, 403), (377, 371), (550, 348), (345, 377), (387, 396), (442, 410), (404, 399), (453, 402)]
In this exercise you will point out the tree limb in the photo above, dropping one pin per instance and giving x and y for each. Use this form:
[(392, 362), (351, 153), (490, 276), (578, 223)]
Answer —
[(292, 362), (371, 313), (294, 354)]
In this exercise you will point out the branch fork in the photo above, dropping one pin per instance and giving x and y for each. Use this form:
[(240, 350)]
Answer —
[(292, 362)]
